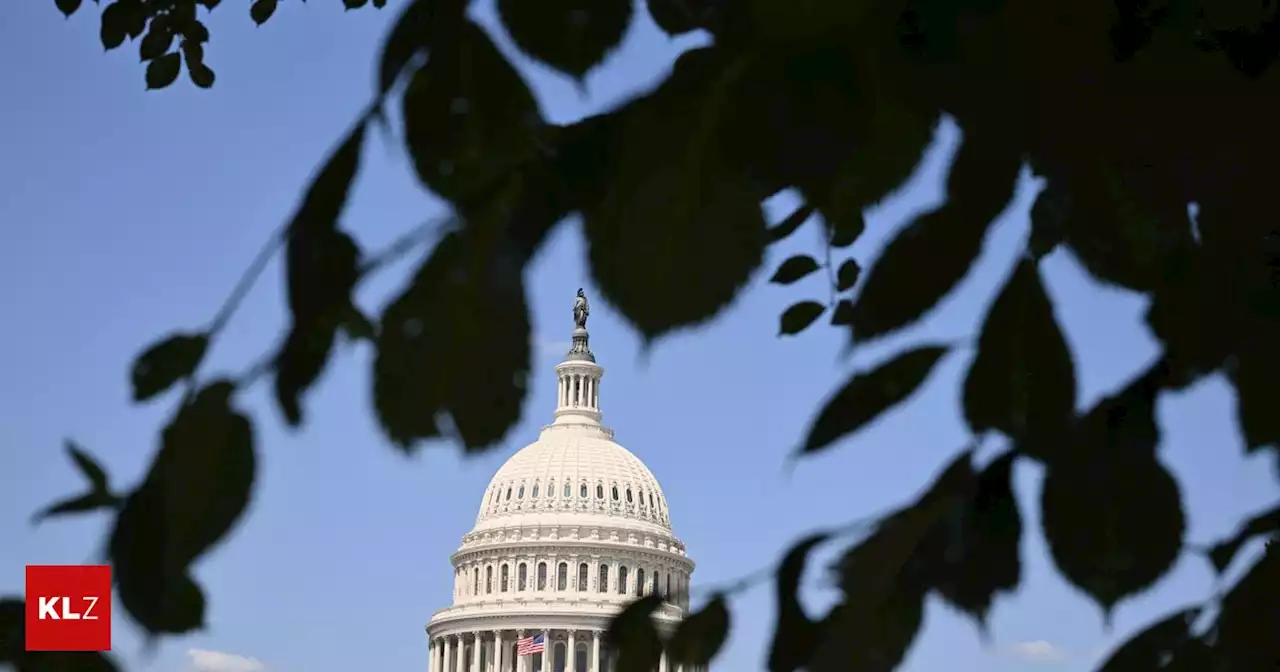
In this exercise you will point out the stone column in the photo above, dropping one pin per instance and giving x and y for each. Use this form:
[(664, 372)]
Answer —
[(662, 662), (475, 652), (461, 664), (547, 650), (448, 651), (571, 654), (521, 663), (497, 651), (595, 652)]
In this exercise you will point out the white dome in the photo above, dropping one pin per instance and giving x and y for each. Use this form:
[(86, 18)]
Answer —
[(571, 528), (570, 473)]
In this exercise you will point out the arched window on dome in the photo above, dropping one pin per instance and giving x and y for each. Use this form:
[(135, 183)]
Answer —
[(520, 493), (504, 582), (602, 581), (522, 580), (615, 493), (562, 576), (475, 587), (653, 584), (551, 489), (622, 580), (488, 579), (668, 593), (568, 490), (583, 570), (629, 501), (535, 490), (640, 582), (508, 493), (599, 491), (582, 491), (651, 500), (542, 576)]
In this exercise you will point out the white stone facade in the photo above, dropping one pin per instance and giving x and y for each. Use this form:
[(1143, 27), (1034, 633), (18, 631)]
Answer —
[(571, 528)]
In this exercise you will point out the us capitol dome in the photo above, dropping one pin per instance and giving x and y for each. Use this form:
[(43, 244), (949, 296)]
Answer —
[(570, 529)]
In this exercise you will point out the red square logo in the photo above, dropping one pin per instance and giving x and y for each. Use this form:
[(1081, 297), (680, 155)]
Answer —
[(68, 608)]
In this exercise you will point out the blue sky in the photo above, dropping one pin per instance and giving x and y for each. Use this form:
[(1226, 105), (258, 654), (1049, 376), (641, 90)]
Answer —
[(125, 214)]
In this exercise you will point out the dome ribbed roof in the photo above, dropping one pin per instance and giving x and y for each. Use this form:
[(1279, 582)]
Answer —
[(573, 471)]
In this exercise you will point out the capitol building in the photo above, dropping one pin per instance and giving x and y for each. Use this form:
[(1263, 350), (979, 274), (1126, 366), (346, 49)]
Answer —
[(571, 528)]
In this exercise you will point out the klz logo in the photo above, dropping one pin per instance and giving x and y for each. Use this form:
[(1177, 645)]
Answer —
[(68, 608)]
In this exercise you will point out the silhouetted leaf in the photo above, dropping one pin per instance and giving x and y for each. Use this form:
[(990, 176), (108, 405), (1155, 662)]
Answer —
[(883, 585), (793, 269), (195, 32), (99, 495), (1122, 239), (679, 230), (201, 75), (674, 17), (1248, 621), (868, 394), (843, 314), (13, 614), (700, 635), (1255, 377), (571, 36), (893, 146), (163, 71), (88, 466), (1112, 517), (1264, 524), (261, 10), (354, 4), (166, 362), (420, 26), (1048, 220), (121, 19), (158, 39), (67, 7), (795, 634), (844, 230), (632, 637), (358, 327), (469, 118), (934, 252), (1150, 648), (1022, 381), (197, 488), (456, 341), (798, 113), (798, 317), (793, 221), (847, 275), (322, 266), (976, 556)]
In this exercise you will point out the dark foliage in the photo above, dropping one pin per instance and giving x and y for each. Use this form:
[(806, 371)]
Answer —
[(1130, 111)]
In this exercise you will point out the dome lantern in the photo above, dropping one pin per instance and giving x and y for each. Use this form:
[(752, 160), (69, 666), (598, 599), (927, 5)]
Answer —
[(578, 376)]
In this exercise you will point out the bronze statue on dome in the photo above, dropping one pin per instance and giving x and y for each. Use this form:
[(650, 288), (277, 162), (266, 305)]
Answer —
[(581, 310)]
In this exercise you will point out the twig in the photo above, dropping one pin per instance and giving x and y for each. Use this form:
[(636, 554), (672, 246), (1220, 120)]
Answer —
[(247, 279)]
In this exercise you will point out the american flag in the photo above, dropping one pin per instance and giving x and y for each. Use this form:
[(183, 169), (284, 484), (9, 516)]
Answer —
[(527, 646)]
